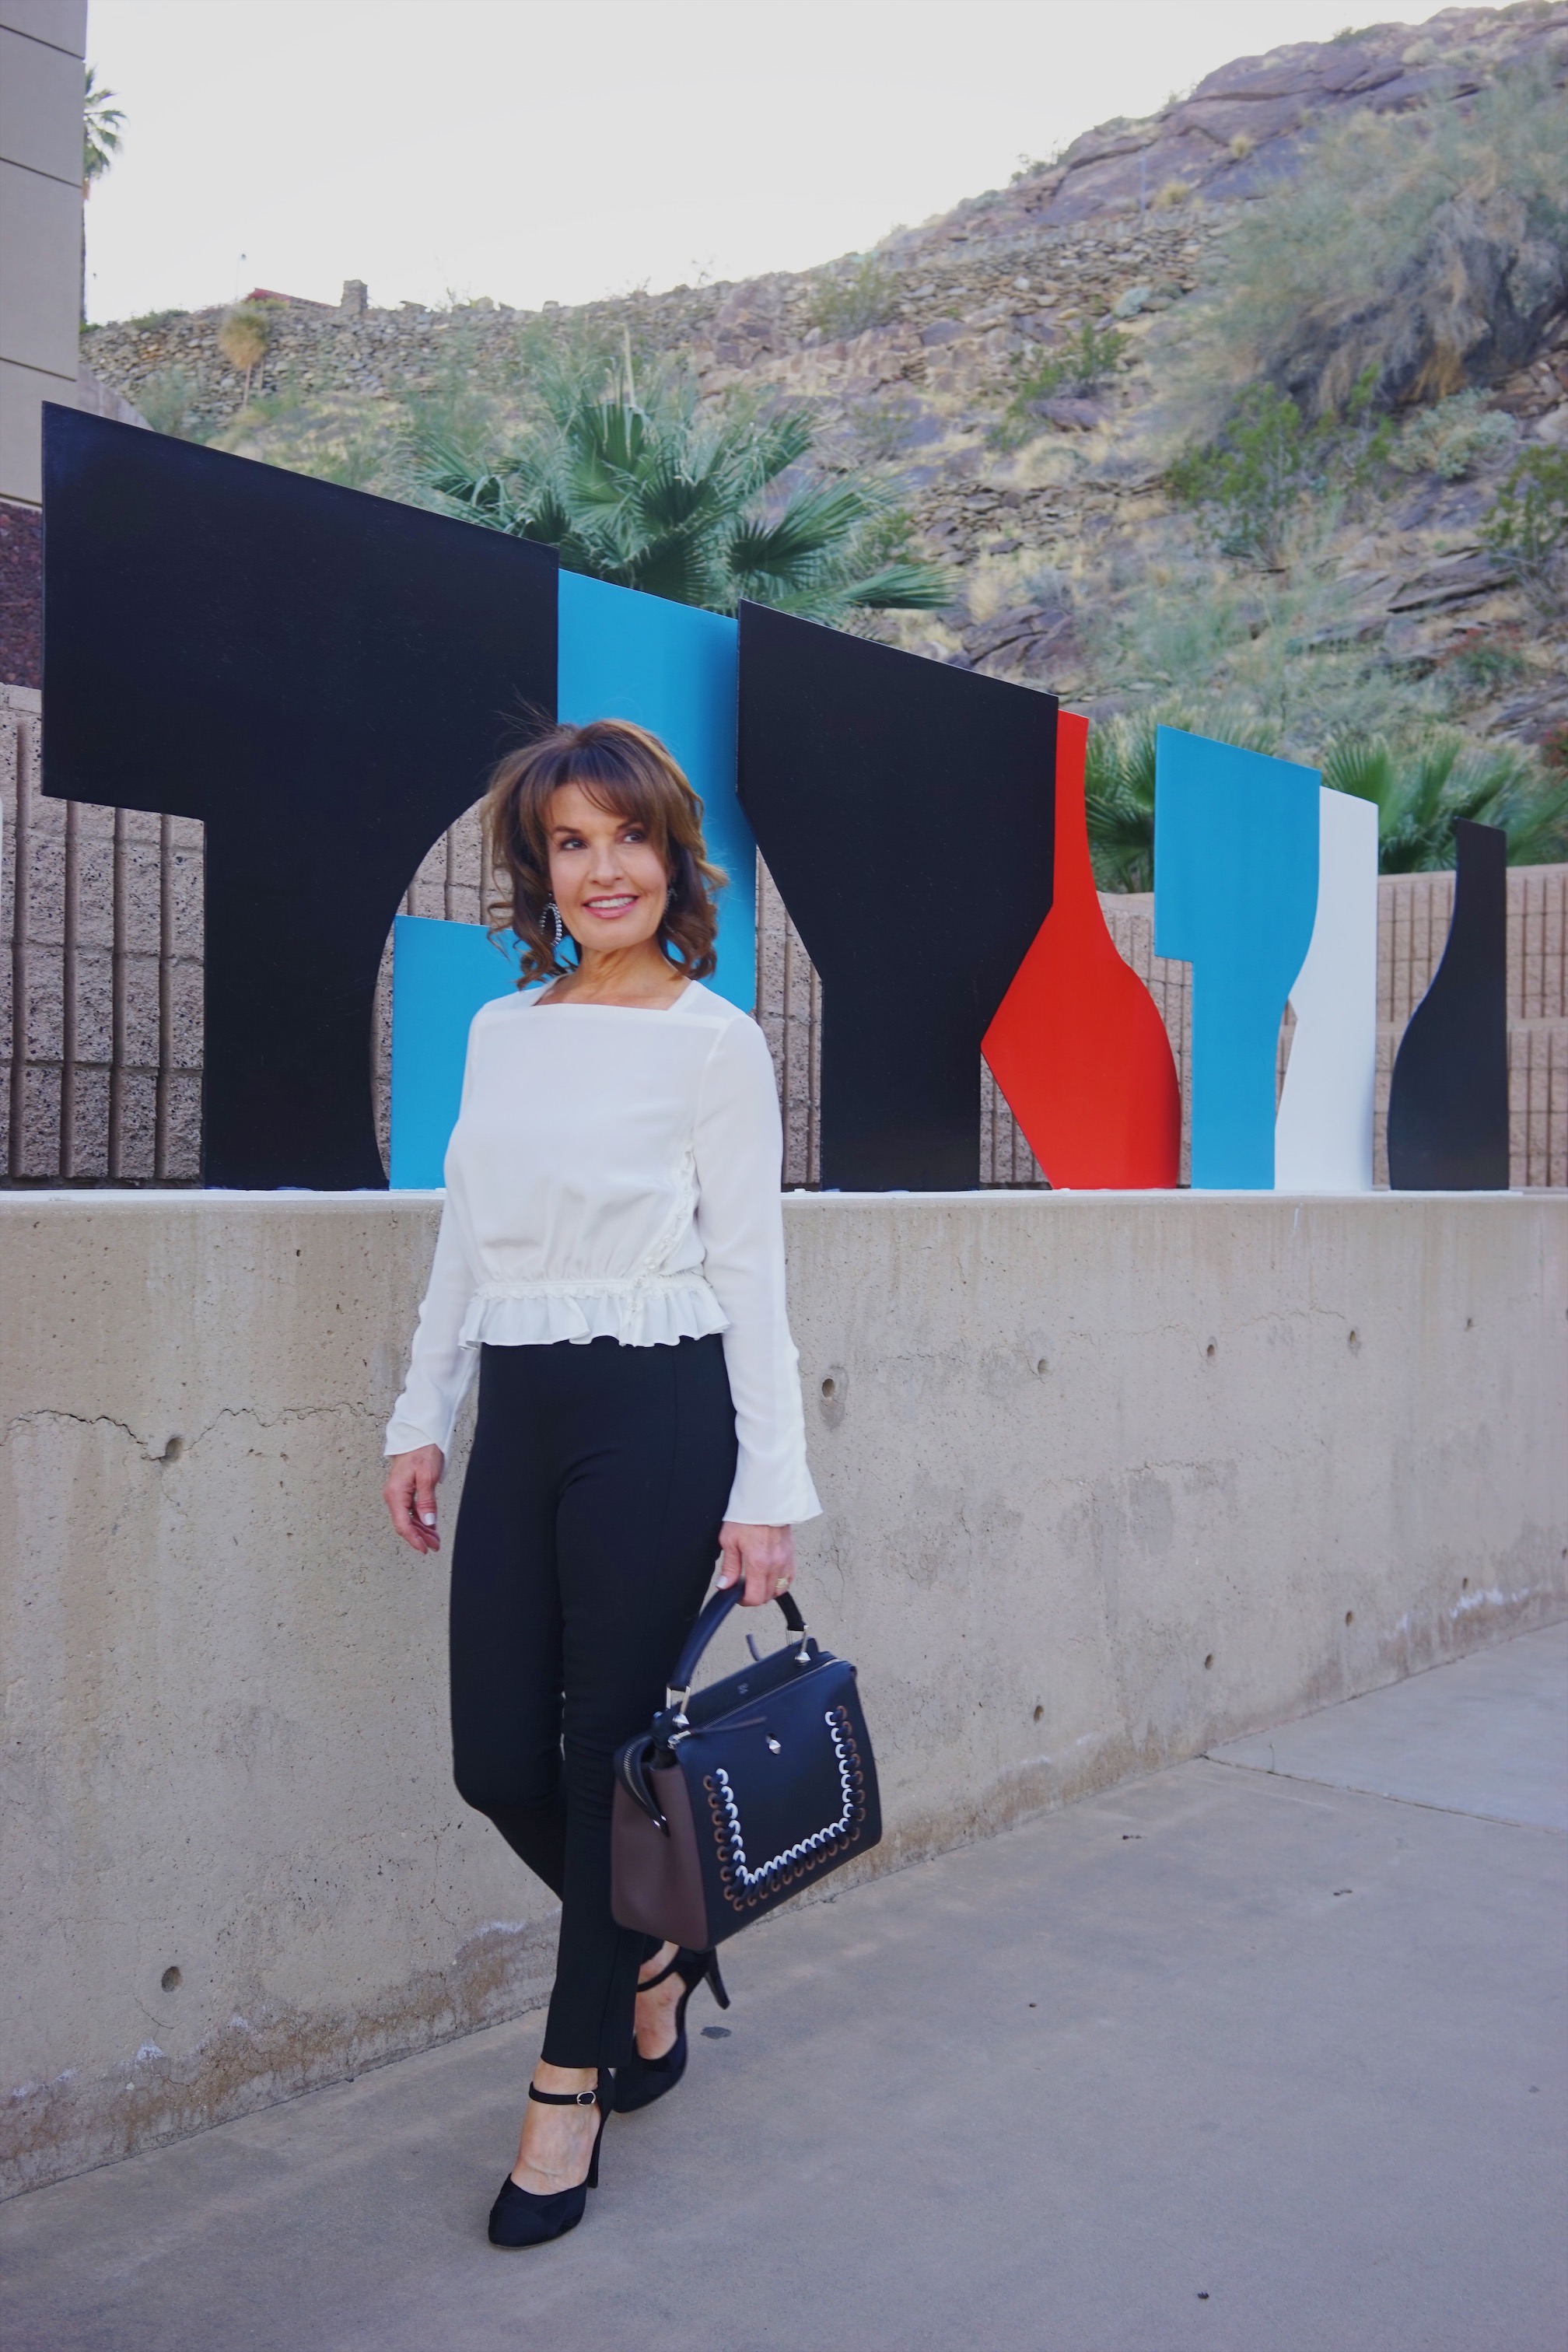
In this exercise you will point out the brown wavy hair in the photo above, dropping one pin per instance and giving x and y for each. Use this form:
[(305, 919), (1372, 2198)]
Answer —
[(626, 770)]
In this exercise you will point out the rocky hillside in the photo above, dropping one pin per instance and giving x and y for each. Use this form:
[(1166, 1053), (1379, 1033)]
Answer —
[(948, 359)]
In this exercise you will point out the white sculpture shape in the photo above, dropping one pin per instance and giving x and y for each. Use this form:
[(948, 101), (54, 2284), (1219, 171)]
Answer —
[(1322, 1136)]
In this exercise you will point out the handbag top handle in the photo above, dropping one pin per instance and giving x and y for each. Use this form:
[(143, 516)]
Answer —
[(714, 1612)]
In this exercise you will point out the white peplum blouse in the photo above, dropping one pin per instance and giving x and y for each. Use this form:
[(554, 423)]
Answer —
[(615, 1171)]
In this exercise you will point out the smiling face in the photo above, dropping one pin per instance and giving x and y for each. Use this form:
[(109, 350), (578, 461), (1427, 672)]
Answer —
[(609, 881)]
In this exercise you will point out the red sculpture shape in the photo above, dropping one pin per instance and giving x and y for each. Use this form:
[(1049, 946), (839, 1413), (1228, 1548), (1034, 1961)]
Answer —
[(1077, 1045)]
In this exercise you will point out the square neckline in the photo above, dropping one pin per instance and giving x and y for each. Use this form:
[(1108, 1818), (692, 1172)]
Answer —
[(539, 1003)]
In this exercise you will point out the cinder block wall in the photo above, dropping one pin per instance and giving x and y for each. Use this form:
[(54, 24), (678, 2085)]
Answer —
[(101, 981), (1107, 1478), (102, 911)]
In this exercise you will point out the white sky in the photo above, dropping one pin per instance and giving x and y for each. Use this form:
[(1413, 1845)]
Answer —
[(536, 152)]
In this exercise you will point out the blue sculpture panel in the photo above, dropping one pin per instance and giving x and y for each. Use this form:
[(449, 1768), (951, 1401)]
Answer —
[(671, 668), (441, 974), (1236, 895)]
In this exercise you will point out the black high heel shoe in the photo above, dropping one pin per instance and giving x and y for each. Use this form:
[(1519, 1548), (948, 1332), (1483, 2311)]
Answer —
[(641, 2080), (519, 2217)]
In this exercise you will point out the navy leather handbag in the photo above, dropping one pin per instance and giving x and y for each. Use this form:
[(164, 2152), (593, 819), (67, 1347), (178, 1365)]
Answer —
[(744, 1793)]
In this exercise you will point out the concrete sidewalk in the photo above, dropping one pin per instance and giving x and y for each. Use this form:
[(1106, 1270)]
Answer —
[(1264, 2054)]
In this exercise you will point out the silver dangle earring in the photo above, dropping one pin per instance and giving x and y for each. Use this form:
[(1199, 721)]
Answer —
[(552, 914)]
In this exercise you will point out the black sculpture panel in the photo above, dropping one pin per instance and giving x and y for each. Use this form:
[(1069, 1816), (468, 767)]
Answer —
[(905, 810), (323, 677), (1447, 1104)]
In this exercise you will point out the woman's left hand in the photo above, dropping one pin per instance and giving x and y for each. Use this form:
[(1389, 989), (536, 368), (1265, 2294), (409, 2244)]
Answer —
[(762, 1558)]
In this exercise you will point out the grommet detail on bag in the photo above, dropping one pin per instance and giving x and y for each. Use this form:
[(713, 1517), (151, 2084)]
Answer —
[(798, 1860)]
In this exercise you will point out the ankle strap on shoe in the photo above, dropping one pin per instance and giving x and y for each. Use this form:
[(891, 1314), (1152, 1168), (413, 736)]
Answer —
[(564, 2098), (670, 1967)]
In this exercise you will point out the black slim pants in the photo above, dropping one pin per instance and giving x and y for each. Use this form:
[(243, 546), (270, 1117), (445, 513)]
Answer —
[(587, 1534)]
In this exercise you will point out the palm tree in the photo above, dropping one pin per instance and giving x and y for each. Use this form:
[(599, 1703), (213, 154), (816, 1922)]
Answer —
[(101, 123), (244, 334), (1419, 791), (647, 487)]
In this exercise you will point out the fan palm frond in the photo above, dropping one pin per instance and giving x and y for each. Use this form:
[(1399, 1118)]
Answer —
[(637, 480), (912, 585), (1419, 790), (102, 128)]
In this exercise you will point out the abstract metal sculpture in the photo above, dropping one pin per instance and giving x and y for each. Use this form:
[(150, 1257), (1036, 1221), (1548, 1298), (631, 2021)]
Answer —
[(1235, 893), (324, 679), (1447, 1104), (1322, 1136), (905, 809), (1077, 1045)]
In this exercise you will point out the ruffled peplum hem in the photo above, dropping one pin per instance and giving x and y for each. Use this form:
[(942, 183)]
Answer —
[(649, 1311)]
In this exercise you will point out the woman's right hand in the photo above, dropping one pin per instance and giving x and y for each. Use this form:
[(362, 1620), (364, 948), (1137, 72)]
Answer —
[(410, 1495)]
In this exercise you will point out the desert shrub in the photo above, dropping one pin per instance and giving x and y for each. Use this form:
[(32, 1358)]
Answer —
[(1251, 480), (357, 464), (1275, 652), (1454, 437), (1045, 583), (1082, 368), (1420, 787), (1528, 525), (881, 430), (1076, 373), (1478, 664), (865, 296), (1326, 276), (287, 402), (167, 399)]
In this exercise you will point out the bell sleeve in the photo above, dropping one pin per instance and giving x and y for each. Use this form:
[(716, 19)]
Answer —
[(739, 1145), (440, 1364)]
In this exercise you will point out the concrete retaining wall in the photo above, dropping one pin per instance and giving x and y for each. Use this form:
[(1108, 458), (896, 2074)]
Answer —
[(1106, 1477)]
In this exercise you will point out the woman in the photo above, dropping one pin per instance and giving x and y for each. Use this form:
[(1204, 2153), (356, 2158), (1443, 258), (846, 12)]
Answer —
[(612, 1253)]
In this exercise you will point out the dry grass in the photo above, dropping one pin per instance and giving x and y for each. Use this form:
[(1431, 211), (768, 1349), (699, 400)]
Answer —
[(1342, 254)]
